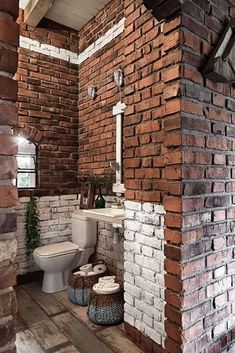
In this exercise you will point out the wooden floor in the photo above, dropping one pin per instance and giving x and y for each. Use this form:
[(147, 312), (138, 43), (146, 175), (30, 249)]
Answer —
[(50, 323)]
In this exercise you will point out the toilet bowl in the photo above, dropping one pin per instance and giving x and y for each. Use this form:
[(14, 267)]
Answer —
[(56, 260)]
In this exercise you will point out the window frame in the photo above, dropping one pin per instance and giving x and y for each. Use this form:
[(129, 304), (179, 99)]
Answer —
[(29, 171)]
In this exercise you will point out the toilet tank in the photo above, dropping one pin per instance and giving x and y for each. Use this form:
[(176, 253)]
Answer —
[(84, 230)]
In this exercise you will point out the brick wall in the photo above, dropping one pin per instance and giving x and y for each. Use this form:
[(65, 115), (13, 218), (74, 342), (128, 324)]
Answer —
[(144, 269), (96, 123), (207, 245), (9, 37), (55, 225), (48, 111), (152, 57)]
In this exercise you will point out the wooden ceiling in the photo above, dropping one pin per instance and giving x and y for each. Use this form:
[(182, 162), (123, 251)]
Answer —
[(71, 13)]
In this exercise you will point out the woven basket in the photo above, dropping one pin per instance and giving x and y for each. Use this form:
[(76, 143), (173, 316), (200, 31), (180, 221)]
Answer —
[(106, 309), (80, 287)]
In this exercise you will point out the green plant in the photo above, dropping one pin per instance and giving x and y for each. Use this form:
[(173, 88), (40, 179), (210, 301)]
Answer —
[(98, 181), (32, 228), (102, 182)]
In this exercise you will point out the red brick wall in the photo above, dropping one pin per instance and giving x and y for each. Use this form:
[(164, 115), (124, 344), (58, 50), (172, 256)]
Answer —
[(96, 123), (207, 244), (152, 57), (48, 89), (9, 37), (104, 20)]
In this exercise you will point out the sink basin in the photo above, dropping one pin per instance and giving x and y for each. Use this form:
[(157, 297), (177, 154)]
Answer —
[(111, 215)]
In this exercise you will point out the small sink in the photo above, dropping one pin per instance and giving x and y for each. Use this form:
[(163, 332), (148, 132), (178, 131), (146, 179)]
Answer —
[(111, 215)]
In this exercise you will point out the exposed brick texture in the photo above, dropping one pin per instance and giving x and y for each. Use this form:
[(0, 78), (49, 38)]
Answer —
[(151, 142), (97, 125), (207, 243), (105, 19), (178, 150), (48, 112), (9, 37)]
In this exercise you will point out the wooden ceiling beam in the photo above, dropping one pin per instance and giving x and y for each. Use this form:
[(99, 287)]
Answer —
[(36, 10)]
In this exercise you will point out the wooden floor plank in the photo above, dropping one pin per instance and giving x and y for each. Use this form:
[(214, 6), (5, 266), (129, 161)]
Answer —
[(118, 341), (68, 349), (30, 312), (26, 343), (20, 324), (48, 335), (79, 311), (46, 301), (81, 337)]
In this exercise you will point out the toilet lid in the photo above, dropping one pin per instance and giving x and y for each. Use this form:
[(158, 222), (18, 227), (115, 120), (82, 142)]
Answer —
[(57, 249)]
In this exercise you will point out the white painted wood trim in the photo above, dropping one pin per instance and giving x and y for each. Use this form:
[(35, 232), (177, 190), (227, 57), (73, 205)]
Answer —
[(70, 56)]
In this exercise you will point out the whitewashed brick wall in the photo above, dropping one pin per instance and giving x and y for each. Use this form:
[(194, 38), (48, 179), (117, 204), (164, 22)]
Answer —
[(113, 254), (55, 224), (70, 56), (144, 268)]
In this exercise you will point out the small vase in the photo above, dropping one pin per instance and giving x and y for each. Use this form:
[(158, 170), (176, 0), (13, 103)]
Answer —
[(100, 200)]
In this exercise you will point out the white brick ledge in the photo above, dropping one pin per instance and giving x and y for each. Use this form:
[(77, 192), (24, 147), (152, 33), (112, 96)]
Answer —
[(70, 56)]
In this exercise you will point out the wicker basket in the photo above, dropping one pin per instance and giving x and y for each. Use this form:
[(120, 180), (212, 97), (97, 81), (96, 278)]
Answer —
[(80, 287), (106, 309)]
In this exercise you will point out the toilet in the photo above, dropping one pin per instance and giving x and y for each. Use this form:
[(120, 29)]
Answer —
[(56, 260)]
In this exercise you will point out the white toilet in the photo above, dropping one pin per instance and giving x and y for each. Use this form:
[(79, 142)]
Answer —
[(56, 259)]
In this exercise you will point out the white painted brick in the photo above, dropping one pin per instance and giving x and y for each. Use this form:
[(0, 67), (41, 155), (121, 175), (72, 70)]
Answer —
[(147, 320), (148, 274), (132, 290), (128, 277), (130, 214), (133, 225), (159, 209), (147, 250), (128, 266), (68, 197), (155, 336), (148, 207), (131, 205), (148, 266), (221, 271), (147, 229), (129, 319), (148, 298), (129, 299), (129, 235)]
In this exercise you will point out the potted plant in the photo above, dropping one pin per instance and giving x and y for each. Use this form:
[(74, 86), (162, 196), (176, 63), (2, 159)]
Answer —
[(32, 227)]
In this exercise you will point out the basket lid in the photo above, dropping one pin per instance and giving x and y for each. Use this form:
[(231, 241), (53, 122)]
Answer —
[(51, 250)]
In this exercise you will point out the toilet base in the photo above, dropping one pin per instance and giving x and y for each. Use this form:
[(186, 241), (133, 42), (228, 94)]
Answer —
[(53, 282)]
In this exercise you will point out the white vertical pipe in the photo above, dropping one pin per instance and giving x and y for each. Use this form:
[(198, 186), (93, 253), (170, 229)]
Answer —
[(119, 148), (118, 111)]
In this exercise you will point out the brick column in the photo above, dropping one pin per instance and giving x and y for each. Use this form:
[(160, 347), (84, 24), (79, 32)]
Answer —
[(9, 37)]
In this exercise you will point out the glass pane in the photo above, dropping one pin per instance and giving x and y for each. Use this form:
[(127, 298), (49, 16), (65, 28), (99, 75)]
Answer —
[(25, 162), (25, 147), (26, 180)]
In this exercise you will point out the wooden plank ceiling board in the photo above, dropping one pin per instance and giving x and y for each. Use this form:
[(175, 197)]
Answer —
[(74, 13), (35, 10)]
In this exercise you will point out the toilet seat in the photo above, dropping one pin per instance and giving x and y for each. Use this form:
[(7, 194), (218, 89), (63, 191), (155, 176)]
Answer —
[(55, 250)]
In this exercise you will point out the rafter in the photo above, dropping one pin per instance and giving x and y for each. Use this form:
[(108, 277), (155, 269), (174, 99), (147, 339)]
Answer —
[(36, 10)]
